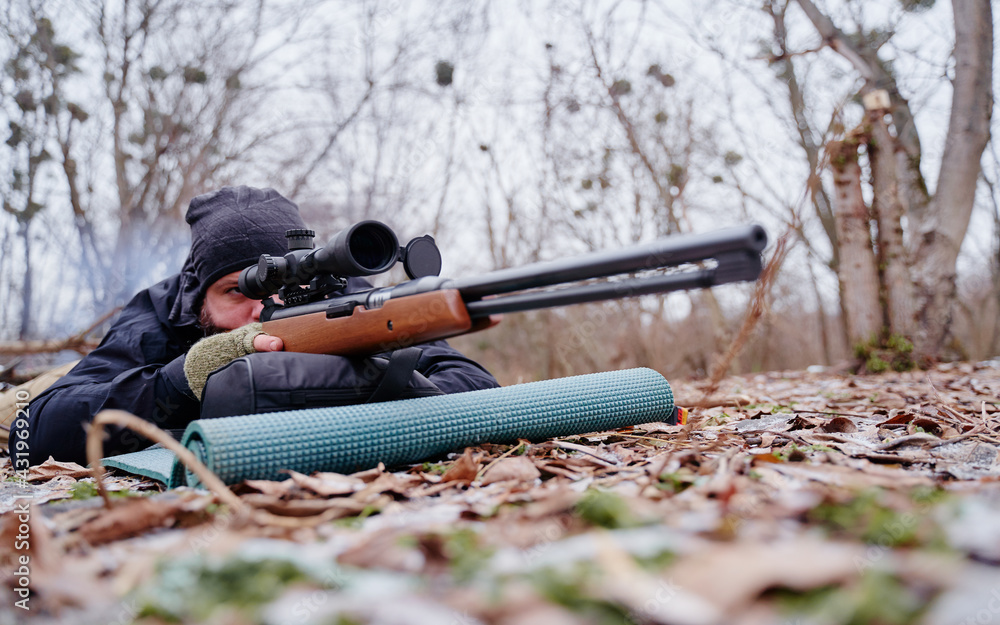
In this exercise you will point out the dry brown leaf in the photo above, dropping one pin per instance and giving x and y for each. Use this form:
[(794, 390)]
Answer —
[(38, 546), (52, 468), (586, 454), (131, 517), (624, 454), (931, 426), (769, 457), (645, 596), (733, 575), (429, 490), (70, 520), (465, 468), (895, 417), (517, 468), (840, 425), (267, 487), (558, 469), (389, 548), (547, 500), (370, 475), (311, 507), (401, 484), (659, 426), (847, 476), (328, 484), (804, 423), (57, 580)]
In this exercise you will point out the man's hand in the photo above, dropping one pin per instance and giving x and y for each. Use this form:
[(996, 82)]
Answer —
[(267, 343)]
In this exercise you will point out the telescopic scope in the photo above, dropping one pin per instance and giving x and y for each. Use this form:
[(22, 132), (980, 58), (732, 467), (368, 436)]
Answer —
[(364, 249)]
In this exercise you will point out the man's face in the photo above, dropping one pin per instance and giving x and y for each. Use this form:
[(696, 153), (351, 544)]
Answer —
[(225, 308)]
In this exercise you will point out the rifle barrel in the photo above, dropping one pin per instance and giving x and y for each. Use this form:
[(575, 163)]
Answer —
[(663, 253), (584, 293)]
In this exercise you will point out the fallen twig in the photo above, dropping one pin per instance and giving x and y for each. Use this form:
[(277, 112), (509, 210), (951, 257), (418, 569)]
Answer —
[(919, 437), (754, 312), (95, 449)]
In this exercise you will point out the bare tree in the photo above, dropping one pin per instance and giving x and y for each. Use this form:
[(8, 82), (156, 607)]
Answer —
[(38, 108), (182, 88), (918, 285), (153, 103)]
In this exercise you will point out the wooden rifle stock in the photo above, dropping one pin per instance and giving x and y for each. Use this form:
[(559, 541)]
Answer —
[(398, 323)]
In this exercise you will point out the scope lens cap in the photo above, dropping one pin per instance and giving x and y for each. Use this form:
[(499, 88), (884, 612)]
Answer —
[(421, 258)]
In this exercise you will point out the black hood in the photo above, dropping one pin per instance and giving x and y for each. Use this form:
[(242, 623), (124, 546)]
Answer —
[(230, 229)]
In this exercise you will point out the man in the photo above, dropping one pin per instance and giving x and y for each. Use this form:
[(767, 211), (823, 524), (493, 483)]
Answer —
[(141, 365)]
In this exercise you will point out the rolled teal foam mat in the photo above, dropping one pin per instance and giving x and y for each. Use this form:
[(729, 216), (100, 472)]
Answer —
[(345, 439)]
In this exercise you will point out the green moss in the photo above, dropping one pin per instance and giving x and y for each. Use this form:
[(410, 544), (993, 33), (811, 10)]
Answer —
[(677, 481), (874, 364), (573, 589), (867, 518), (720, 418), (876, 599), (466, 553), (792, 453), (899, 343), (604, 509), (88, 490), (355, 522), (883, 352), (657, 562), (194, 589), (435, 468)]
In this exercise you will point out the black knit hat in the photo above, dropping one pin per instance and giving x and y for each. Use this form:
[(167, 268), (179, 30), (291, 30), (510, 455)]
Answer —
[(230, 229)]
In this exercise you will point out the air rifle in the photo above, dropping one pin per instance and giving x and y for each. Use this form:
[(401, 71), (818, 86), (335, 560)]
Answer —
[(316, 316)]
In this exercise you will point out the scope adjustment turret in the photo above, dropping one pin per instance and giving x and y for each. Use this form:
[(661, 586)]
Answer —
[(300, 238)]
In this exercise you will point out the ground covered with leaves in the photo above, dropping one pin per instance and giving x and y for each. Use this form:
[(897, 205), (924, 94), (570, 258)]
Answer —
[(791, 497)]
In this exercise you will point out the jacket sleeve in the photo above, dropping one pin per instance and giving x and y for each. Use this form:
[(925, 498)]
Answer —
[(452, 372), (139, 367)]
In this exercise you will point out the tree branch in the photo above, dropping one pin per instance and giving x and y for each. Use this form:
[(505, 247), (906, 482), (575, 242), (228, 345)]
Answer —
[(79, 342)]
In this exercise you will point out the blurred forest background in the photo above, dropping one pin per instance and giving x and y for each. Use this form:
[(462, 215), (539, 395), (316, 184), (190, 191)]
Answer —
[(857, 132)]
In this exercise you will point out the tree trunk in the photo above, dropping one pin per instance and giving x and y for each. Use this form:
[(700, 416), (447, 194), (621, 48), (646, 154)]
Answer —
[(27, 307), (888, 209), (858, 273), (820, 316), (943, 228)]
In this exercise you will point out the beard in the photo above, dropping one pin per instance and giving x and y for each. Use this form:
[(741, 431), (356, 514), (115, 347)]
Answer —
[(207, 323)]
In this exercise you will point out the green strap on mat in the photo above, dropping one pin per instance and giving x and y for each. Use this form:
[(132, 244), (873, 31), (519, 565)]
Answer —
[(345, 439)]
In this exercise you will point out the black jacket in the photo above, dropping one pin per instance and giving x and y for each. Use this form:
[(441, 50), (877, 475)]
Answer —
[(139, 368)]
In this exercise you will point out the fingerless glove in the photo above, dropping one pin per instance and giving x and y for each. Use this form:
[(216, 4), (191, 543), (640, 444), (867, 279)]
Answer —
[(215, 351)]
